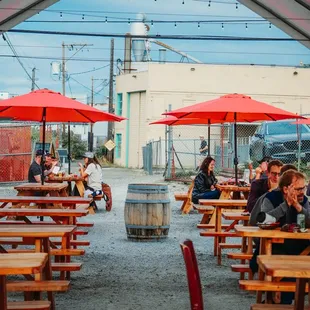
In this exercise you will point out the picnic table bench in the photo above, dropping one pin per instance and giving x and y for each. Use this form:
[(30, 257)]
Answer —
[(53, 189), (12, 264), (186, 197), (218, 234)]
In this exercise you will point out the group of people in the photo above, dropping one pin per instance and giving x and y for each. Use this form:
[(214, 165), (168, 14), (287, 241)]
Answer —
[(278, 192), (91, 171)]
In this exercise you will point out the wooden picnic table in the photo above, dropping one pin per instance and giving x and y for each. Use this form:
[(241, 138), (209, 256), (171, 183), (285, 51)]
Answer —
[(13, 264), (220, 204), (288, 266), (70, 202), (267, 238), (53, 189), (79, 181), (226, 190)]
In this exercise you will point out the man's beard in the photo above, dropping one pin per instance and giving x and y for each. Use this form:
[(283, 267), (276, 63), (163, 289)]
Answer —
[(300, 198)]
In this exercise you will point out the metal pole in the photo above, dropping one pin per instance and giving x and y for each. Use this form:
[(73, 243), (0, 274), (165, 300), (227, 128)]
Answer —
[(63, 71), (111, 124), (170, 145), (299, 130), (209, 137), (69, 149), (236, 150), (33, 79), (43, 147), (91, 125)]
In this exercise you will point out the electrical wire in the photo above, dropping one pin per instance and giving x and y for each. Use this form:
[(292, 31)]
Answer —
[(158, 36), (86, 87), (185, 51), (7, 40), (84, 72)]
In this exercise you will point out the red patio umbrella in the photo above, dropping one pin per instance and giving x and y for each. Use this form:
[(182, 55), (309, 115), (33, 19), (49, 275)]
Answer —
[(174, 121), (47, 106), (233, 108)]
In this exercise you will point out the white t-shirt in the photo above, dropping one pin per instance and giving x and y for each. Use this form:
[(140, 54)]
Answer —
[(94, 176)]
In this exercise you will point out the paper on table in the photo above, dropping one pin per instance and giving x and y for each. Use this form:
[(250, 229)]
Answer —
[(56, 169)]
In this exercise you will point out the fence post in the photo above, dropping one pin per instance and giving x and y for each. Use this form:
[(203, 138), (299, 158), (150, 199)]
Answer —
[(150, 158)]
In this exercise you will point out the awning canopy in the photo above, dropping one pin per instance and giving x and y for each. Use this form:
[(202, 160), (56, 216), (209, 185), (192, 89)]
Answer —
[(291, 16), (14, 12)]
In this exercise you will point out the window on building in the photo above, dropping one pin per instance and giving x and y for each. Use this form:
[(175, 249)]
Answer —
[(118, 145), (119, 105)]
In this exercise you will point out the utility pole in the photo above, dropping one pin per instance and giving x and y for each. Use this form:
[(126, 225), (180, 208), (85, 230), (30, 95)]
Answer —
[(63, 70), (33, 78), (111, 124), (91, 136)]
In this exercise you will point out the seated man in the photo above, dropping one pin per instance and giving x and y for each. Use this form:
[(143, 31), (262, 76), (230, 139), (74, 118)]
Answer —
[(35, 169), (284, 205), (263, 185)]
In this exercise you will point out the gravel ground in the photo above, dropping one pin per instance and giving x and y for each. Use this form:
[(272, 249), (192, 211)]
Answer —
[(120, 274)]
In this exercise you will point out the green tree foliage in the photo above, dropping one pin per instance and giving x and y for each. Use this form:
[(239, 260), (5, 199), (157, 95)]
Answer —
[(78, 147)]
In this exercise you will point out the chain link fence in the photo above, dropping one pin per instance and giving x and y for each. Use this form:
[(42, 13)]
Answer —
[(179, 157)]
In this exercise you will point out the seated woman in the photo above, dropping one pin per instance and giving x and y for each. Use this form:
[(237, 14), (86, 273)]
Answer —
[(93, 172), (205, 181)]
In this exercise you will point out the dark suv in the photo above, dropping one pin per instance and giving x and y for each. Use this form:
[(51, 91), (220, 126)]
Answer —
[(280, 141)]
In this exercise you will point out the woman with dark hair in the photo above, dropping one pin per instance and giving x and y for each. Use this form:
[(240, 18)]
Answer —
[(91, 170), (205, 181)]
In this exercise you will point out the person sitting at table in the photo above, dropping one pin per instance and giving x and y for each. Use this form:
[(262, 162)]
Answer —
[(284, 205), (205, 181), (35, 169), (261, 172), (258, 205), (261, 186), (92, 171)]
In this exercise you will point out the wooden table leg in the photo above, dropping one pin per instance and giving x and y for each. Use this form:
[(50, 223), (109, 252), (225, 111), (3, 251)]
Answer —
[(218, 228), (3, 294), (261, 275), (48, 270), (300, 294)]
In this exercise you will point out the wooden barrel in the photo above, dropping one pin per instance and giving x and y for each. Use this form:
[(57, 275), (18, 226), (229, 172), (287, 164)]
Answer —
[(147, 212)]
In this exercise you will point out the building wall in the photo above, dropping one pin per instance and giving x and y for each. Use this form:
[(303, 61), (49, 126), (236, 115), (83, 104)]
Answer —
[(182, 85)]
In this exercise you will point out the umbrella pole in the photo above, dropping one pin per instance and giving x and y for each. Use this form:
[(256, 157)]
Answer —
[(69, 149), (209, 137), (43, 147), (236, 150)]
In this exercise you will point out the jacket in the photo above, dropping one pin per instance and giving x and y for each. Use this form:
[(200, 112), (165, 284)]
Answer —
[(203, 183)]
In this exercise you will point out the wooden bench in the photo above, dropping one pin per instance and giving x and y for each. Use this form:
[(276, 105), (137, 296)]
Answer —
[(79, 224), (38, 286), (186, 197), (207, 212), (71, 201), (225, 246), (75, 242), (242, 256), (210, 226), (66, 266), (242, 268), (269, 286), (271, 307), (29, 305), (218, 234), (53, 252)]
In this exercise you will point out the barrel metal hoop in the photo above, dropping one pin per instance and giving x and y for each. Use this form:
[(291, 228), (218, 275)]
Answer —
[(147, 227), (141, 187), (147, 191), (136, 201)]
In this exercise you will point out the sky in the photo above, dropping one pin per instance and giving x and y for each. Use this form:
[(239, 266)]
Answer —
[(95, 56)]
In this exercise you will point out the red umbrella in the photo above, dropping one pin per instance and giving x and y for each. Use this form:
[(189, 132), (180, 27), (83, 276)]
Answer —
[(233, 108), (174, 121), (47, 106), (305, 121)]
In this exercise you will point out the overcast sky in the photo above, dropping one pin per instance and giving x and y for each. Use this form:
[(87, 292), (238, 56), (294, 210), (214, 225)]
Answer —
[(14, 80)]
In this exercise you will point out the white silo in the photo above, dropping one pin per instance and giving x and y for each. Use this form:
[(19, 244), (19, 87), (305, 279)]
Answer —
[(55, 68), (139, 28)]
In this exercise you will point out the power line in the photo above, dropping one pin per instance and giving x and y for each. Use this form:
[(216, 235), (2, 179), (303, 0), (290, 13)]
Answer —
[(7, 40), (186, 51), (158, 36), (86, 87), (84, 72)]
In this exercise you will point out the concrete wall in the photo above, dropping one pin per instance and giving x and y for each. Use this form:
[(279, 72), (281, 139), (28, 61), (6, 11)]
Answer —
[(186, 84)]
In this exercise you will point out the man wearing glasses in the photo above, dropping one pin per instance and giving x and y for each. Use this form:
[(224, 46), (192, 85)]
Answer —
[(261, 186)]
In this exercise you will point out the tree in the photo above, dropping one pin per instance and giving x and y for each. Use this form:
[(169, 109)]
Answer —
[(78, 147)]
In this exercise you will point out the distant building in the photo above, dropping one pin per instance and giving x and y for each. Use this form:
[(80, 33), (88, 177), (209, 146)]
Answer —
[(143, 96), (4, 95)]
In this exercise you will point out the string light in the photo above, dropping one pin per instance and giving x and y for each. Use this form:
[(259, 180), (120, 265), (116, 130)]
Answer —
[(246, 26), (198, 24), (269, 25), (209, 3), (152, 23), (236, 5), (183, 2), (175, 24), (222, 26), (83, 16), (128, 21), (60, 14), (106, 19)]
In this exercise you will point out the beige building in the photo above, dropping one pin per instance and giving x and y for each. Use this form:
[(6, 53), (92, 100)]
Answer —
[(143, 96)]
